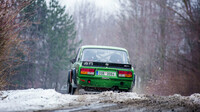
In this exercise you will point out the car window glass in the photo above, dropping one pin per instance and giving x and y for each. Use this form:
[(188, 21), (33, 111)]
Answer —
[(105, 55)]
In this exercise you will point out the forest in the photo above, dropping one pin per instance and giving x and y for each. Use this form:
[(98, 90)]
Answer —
[(38, 38), (37, 43)]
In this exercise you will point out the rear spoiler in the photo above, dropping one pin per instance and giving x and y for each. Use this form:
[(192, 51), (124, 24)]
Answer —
[(104, 64)]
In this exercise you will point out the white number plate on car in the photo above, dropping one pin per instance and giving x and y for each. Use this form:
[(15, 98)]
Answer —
[(105, 73)]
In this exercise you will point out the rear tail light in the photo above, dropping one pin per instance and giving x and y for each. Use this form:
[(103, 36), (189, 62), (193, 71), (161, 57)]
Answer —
[(125, 74), (86, 71)]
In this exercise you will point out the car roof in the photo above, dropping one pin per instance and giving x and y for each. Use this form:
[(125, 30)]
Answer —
[(104, 47)]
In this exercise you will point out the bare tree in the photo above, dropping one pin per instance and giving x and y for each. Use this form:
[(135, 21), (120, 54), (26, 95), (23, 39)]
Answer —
[(9, 43)]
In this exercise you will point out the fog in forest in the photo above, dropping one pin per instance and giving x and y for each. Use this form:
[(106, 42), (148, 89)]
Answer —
[(161, 36)]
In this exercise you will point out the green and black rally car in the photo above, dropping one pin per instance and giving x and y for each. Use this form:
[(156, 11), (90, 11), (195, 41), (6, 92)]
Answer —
[(101, 68)]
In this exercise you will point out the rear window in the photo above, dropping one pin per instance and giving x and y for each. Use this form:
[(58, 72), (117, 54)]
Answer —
[(105, 55)]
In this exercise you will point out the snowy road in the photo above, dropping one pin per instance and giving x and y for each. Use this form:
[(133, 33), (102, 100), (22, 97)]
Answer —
[(50, 100)]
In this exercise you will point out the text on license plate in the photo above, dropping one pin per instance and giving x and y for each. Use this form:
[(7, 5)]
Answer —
[(105, 73)]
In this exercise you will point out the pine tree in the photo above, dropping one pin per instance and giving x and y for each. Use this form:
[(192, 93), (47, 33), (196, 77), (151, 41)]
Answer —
[(61, 35), (50, 42), (34, 39)]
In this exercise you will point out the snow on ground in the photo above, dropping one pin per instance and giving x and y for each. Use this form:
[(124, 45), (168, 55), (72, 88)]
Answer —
[(33, 99), (195, 98), (49, 99), (40, 99)]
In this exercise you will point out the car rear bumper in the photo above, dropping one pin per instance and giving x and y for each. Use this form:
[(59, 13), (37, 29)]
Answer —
[(105, 83)]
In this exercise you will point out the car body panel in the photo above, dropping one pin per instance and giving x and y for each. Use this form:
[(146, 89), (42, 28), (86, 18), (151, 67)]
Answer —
[(102, 81)]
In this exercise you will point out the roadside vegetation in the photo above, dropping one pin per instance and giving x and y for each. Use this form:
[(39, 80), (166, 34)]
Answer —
[(37, 42), (10, 43)]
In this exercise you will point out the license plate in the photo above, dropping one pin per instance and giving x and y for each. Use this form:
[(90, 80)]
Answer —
[(105, 73)]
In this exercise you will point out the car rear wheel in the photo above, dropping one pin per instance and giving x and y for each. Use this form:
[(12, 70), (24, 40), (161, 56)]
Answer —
[(130, 90), (77, 90), (68, 88), (72, 90)]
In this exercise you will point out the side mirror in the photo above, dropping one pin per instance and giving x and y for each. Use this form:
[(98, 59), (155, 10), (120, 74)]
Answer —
[(73, 61)]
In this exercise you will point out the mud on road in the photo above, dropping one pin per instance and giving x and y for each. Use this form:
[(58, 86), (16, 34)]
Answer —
[(116, 102), (33, 100)]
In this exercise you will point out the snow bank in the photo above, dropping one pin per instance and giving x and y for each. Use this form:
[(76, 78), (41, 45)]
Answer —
[(119, 97), (33, 99), (195, 98), (40, 99)]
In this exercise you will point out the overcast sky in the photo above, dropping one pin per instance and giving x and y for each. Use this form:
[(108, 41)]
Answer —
[(102, 7)]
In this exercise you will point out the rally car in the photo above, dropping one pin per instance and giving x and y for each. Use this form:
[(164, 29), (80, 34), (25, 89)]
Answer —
[(100, 68)]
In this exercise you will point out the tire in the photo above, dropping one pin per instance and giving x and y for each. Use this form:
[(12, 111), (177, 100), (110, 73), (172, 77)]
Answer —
[(76, 92), (131, 89), (133, 85), (68, 84), (68, 88), (74, 75), (72, 90)]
